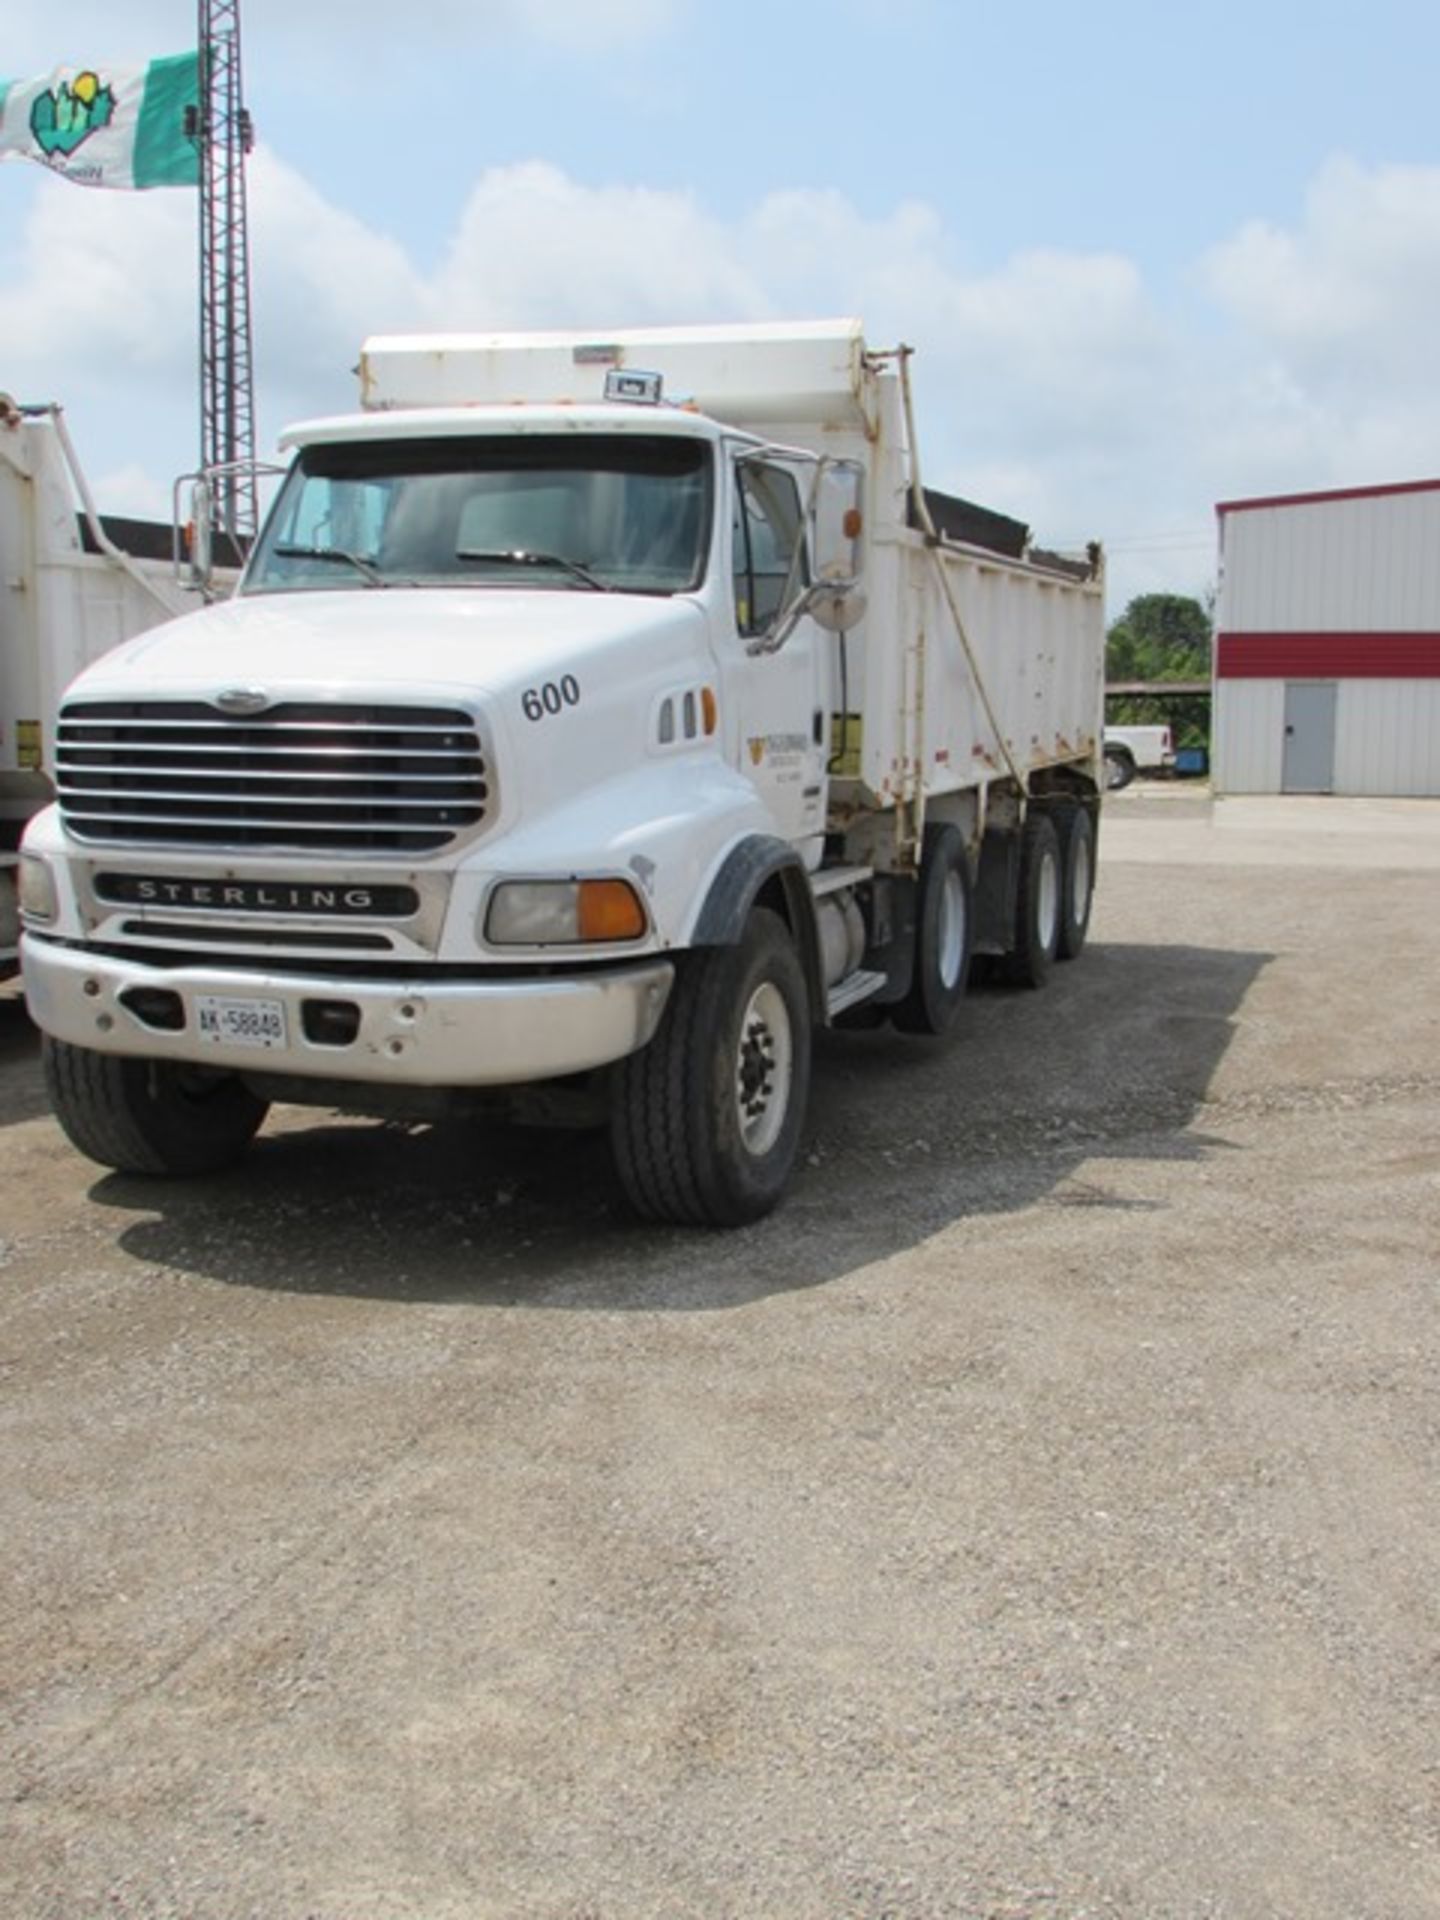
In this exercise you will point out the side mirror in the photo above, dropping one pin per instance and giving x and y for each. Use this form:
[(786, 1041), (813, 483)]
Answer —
[(837, 519), (836, 605), (193, 534), (833, 598), (837, 522)]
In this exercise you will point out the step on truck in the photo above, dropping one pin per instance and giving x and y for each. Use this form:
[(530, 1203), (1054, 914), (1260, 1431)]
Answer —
[(597, 717)]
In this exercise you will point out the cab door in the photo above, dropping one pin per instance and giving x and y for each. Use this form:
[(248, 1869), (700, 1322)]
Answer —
[(779, 702)]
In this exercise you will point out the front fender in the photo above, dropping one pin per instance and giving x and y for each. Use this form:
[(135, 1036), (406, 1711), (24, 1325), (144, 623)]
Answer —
[(670, 823), (761, 864)]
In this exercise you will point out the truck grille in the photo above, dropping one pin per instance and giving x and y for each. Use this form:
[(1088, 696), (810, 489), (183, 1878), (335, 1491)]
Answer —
[(304, 778)]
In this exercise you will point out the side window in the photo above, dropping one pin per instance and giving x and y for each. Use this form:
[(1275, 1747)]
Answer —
[(767, 542)]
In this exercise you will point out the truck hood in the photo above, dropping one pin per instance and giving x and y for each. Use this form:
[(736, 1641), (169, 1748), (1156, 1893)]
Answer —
[(314, 645)]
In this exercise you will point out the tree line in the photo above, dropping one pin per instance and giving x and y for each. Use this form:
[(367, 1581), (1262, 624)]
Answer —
[(1159, 637)]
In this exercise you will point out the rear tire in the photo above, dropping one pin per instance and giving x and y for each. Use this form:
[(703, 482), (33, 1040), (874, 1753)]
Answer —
[(1037, 907), (1119, 769), (942, 937), (149, 1116), (1077, 873), (706, 1121)]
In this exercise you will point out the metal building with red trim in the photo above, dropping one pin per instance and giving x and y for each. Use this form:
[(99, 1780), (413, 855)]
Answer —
[(1327, 643)]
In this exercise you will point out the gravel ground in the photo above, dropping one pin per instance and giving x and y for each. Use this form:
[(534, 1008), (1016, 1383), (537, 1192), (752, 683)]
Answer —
[(1036, 1519)]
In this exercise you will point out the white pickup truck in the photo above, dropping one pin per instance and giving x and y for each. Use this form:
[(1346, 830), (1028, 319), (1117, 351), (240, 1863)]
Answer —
[(597, 716), (1132, 750)]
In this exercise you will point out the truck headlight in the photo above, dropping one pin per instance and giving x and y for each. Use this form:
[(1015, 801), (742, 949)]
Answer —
[(563, 913), (39, 897)]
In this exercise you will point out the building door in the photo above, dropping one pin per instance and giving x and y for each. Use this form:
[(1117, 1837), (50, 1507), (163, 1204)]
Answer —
[(1309, 763)]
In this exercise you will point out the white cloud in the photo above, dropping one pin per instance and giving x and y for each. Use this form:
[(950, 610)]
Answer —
[(535, 248), (133, 491), (322, 279), (1361, 270), (36, 37), (1331, 348), (1044, 348), (1054, 384), (95, 287)]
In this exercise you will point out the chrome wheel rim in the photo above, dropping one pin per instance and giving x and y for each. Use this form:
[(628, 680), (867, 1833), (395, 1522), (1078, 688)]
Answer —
[(950, 931), (1080, 879), (764, 1069)]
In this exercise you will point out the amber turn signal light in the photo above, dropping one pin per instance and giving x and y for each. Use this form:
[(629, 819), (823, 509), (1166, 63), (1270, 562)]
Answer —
[(609, 910)]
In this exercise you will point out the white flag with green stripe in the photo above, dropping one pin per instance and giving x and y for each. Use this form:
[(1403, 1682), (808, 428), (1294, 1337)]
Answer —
[(108, 126)]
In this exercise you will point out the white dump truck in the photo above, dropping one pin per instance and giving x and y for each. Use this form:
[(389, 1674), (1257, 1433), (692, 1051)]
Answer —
[(598, 715), (71, 586)]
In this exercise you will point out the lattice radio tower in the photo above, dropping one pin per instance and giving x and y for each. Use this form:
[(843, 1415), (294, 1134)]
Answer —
[(227, 385)]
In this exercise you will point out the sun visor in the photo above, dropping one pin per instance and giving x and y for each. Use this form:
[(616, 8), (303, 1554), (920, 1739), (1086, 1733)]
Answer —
[(810, 371)]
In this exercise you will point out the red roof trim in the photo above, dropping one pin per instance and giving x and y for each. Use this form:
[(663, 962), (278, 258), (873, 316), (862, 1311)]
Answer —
[(1223, 507), (1327, 656)]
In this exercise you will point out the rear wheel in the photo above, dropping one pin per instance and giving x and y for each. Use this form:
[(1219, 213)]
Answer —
[(706, 1120), (1037, 908), (942, 937), (149, 1116), (1077, 856), (1119, 768)]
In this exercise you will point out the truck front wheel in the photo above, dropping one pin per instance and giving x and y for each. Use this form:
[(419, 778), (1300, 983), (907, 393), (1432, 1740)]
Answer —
[(706, 1120), (149, 1116)]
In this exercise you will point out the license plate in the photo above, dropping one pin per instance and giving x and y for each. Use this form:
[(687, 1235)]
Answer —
[(236, 1022)]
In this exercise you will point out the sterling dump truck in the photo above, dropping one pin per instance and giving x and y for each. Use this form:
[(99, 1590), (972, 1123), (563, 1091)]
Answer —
[(71, 586), (597, 716)]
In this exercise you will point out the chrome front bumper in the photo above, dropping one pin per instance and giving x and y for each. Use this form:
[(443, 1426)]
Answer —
[(407, 1033)]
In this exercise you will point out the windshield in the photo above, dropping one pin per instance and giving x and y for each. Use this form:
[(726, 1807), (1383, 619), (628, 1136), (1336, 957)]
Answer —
[(574, 512)]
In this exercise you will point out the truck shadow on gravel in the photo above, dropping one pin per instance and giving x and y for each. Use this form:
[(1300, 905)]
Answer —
[(1112, 1060)]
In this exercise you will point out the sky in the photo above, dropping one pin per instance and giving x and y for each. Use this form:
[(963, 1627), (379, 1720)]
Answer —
[(1149, 258)]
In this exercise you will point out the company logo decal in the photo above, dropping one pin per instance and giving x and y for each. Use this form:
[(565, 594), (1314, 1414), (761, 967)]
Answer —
[(778, 749), (65, 117), (243, 700), (338, 900)]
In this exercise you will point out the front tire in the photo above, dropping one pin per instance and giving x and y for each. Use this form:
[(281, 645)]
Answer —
[(706, 1120), (149, 1116), (942, 937)]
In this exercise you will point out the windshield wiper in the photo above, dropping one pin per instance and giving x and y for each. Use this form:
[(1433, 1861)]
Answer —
[(528, 557), (372, 576)]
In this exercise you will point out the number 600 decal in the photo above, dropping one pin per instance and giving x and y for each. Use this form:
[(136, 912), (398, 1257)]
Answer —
[(552, 698)]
